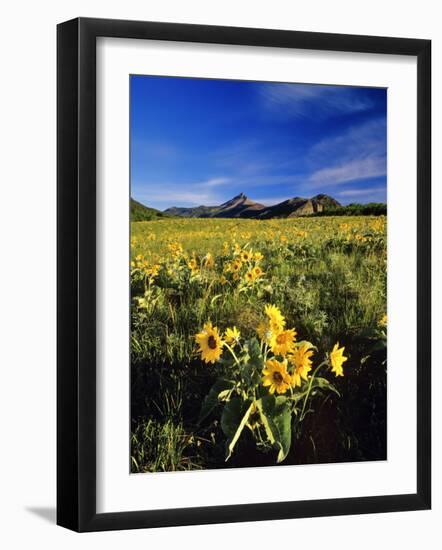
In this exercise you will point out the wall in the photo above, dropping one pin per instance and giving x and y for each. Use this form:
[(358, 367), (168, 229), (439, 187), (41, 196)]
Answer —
[(27, 218)]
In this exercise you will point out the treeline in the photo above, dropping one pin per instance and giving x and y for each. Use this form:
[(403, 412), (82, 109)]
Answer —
[(355, 209)]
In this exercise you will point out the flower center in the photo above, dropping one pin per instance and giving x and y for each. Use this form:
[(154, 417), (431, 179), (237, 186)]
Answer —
[(277, 377), (212, 342), (280, 338)]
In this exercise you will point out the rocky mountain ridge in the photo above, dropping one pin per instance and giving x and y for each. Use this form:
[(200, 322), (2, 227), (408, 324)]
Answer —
[(242, 206)]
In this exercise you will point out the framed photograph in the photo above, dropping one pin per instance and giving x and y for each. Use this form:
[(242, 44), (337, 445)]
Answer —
[(243, 274)]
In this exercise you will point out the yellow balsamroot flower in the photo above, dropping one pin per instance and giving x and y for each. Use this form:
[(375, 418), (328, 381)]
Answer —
[(258, 256), (210, 343), (232, 335), (209, 262), (152, 272), (300, 359), (336, 359), (276, 319), (383, 321), (264, 332), (276, 376), (257, 272), (283, 342), (274, 325), (246, 255), (223, 280), (235, 266), (249, 276), (193, 264)]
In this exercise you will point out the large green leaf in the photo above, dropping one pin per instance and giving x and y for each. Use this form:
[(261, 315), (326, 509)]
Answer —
[(276, 417), (235, 416), (254, 348), (211, 400)]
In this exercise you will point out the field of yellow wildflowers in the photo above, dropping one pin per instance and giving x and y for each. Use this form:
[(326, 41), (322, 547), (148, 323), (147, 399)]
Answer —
[(257, 342)]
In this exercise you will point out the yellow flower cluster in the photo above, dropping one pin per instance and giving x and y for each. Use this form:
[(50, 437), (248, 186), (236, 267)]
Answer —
[(296, 364), (140, 264), (175, 249), (245, 265), (291, 362)]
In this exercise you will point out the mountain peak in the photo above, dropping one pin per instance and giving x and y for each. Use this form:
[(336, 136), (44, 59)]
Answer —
[(240, 196), (326, 200)]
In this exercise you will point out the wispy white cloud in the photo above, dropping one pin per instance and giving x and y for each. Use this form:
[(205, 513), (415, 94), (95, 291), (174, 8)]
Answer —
[(371, 194), (354, 170), (360, 192), (165, 194), (214, 182), (245, 158), (175, 197), (364, 139), (305, 100), (357, 154)]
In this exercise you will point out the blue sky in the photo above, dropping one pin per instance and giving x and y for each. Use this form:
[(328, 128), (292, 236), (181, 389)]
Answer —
[(197, 141)]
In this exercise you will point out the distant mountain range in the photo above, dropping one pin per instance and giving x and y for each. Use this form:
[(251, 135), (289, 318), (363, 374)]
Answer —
[(243, 207)]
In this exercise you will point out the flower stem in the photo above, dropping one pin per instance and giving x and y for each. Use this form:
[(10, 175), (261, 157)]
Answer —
[(233, 354), (310, 389)]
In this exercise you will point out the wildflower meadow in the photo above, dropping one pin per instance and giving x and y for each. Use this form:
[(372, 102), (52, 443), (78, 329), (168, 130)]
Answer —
[(257, 342)]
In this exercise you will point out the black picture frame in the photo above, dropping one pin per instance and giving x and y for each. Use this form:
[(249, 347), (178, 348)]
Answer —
[(76, 274)]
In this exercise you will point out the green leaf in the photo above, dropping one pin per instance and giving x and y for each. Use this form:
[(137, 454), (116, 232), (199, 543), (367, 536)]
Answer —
[(276, 417), (253, 363), (235, 416), (215, 298), (323, 383), (254, 348), (212, 398), (224, 395)]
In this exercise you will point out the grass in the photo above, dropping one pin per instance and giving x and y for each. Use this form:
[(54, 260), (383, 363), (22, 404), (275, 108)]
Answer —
[(328, 277)]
